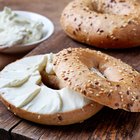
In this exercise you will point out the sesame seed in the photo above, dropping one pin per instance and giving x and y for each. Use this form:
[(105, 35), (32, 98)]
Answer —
[(120, 92), (97, 94), (124, 105), (111, 90), (83, 110), (8, 108), (38, 117), (121, 96), (132, 99), (15, 113)]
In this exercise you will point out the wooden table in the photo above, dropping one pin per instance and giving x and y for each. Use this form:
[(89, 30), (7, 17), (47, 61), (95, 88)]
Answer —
[(108, 124)]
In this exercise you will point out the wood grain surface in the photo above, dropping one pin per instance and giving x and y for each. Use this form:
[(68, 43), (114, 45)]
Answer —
[(108, 124)]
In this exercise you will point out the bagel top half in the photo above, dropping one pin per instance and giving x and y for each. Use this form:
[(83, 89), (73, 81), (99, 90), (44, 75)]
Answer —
[(99, 77), (103, 23)]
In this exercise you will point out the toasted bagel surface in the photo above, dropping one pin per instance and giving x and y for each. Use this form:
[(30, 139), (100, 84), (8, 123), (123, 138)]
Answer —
[(103, 23), (99, 77)]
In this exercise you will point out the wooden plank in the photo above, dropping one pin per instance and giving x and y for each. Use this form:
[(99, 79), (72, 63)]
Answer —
[(7, 122), (27, 130), (5, 59), (117, 125), (107, 124)]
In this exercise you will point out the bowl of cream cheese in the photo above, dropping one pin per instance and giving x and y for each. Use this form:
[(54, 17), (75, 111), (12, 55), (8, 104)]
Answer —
[(21, 31)]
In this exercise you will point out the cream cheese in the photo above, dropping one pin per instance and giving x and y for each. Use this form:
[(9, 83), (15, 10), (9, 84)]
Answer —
[(71, 99), (49, 66), (50, 101), (16, 29), (33, 95), (13, 78), (16, 73), (35, 78), (20, 96), (30, 64)]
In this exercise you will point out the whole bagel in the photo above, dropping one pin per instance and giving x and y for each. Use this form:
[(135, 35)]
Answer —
[(103, 23), (24, 91), (99, 77)]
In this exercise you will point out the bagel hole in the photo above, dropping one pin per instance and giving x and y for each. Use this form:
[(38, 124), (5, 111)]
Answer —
[(112, 7), (97, 71), (50, 81)]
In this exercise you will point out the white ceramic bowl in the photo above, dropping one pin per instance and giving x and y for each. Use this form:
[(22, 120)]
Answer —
[(48, 29)]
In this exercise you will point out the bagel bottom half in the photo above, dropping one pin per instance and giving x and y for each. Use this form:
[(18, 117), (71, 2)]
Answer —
[(29, 73), (65, 118)]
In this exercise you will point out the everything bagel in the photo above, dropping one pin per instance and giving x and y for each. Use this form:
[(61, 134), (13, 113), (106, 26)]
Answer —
[(103, 23), (24, 91), (99, 77)]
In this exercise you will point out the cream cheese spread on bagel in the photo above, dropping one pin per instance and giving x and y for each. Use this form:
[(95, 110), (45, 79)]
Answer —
[(22, 89)]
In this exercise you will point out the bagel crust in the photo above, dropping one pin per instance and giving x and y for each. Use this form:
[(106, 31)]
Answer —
[(103, 23), (99, 77), (62, 118)]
